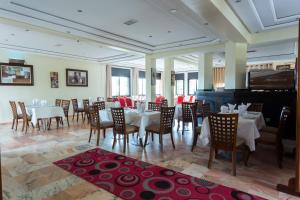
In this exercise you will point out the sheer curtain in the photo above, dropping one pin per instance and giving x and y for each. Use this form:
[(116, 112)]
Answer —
[(108, 81), (218, 77), (135, 81)]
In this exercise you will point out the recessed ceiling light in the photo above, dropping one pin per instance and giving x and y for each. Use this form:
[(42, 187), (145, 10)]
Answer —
[(130, 22), (173, 11), (12, 34), (69, 32), (169, 31), (27, 30), (80, 11), (238, 1), (206, 23), (78, 41), (58, 45), (150, 36)]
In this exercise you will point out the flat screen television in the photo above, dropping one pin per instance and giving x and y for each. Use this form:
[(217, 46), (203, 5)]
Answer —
[(271, 80)]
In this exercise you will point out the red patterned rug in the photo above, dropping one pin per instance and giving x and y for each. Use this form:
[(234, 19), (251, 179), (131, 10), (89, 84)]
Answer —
[(129, 178)]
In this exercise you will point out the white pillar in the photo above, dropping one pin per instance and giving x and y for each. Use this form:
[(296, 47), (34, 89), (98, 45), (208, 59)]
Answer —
[(235, 65), (205, 64), (135, 81), (167, 78), (150, 64)]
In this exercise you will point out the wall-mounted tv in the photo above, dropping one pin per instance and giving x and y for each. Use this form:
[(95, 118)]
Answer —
[(271, 80)]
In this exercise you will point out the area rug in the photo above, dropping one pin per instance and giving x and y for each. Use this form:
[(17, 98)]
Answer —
[(129, 179)]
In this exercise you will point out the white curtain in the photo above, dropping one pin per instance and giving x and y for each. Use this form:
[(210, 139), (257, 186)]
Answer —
[(108, 81)]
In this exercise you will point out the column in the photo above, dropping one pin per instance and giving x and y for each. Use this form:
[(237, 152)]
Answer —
[(135, 81), (169, 80), (150, 65), (205, 64), (235, 65)]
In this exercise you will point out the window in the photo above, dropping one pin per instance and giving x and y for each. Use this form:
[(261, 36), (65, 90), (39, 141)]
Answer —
[(120, 82), (142, 83), (158, 84), (192, 82), (179, 84)]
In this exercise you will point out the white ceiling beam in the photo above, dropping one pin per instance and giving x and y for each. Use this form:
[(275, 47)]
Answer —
[(221, 19)]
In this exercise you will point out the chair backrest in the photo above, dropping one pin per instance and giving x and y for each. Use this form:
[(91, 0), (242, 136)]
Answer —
[(100, 105), (75, 104), (14, 109), (256, 107), (186, 112), (122, 102), (166, 119), (86, 105), (180, 99), (154, 106), (283, 122), (119, 120), (65, 104), (205, 110), (23, 110), (223, 130), (128, 102), (58, 102), (164, 102), (94, 116)]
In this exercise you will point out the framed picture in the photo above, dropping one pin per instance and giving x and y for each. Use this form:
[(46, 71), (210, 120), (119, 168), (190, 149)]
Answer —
[(76, 77), (54, 79), (16, 74)]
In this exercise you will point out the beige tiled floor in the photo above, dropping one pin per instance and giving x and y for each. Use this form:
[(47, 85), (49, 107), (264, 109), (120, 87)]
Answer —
[(28, 172)]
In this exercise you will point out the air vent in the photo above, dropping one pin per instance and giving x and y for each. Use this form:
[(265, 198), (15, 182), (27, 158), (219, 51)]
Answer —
[(251, 51), (130, 22)]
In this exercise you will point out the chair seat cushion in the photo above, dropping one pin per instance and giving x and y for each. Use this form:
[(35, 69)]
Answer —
[(153, 128), (107, 124), (131, 128), (267, 138), (270, 129), (239, 141)]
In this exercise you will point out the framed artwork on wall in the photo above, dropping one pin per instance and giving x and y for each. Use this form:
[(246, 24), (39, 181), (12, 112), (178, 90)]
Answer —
[(16, 74), (54, 79), (76, 77)]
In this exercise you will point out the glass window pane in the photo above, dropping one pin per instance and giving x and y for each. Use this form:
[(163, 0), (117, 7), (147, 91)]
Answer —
[(124, 86), (142, 86), (158, 87), (179, 87), (192, 86), (115, 86)]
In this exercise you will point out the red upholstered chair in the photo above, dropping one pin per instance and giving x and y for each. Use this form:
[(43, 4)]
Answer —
[(191, 99), (115, 99), (159, 99), (122, 102), (129, 102), (180, 99)]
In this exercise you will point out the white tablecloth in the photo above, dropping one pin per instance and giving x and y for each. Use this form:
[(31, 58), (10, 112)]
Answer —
[(248, 129), (135, 118), (44, 112)]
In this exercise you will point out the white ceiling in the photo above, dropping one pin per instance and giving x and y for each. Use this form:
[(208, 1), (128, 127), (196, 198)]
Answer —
[(261, 15)]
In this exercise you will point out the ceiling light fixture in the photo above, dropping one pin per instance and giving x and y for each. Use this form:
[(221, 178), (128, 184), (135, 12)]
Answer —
[(130, 22), (206, 23), (238, 1), (173, 11), (169, 31), (27, 30), (12, 34), (150, 36), (68, 32), (58, 45), (80, 11)]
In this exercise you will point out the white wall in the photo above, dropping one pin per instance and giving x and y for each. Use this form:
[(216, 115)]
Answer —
[(42, 66)]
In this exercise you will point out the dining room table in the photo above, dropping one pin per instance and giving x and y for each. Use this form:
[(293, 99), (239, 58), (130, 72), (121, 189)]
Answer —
[(249, 125), (44, 113)]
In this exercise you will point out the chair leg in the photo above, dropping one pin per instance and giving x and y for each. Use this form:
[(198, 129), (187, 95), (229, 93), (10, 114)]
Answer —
[(68, 122), (216, 153), (73, 116), (98, 137), (23, 126), (17, 124), (247, 153), (81, 115), (172, 140), (26, 127), (234, 162), (280, 155), (124, 147), (195, 139), (178, 124), (146, 138), (77, 116), (90, 135), (57, 122), (83, 119), (127, 138), (152, 137), (161, 142), (13, 124), (182, 128), (115, 140), (104, 132), (211, 155)]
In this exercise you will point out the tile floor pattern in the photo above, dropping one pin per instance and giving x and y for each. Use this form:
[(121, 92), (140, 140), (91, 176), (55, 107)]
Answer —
[(28, 172)]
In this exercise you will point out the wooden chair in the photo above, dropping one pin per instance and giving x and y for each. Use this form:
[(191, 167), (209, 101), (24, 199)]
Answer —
[(273, 137), (86, 108), (96, 125), (26, 118), (120, 127), (196, 127), (154, 106), (58, 102), (65, 104), (186, 115), (109, 99), (100, 105), (135, 104), (164, 102), (256, 107), (16, 116), (76, 109), (165, 126), (223, 133)]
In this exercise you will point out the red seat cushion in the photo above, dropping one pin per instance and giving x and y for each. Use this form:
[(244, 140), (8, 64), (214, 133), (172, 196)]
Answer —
[(159, 99), (191, 99), (115, 99), (180, 99), (129, 102), (122, 102)]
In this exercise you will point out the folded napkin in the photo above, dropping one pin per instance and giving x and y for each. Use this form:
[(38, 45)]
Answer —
[(231, 107), (247, 105), (242, 109), (224, 109), (117, 104)]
